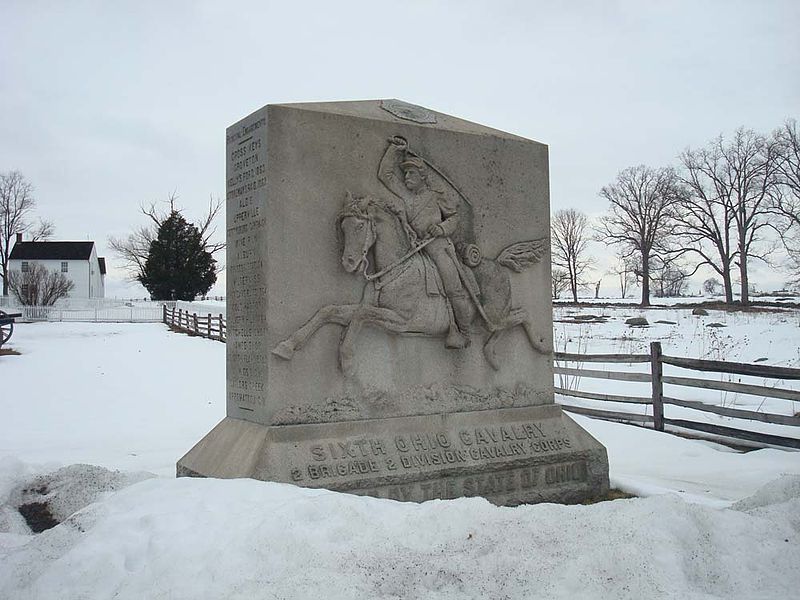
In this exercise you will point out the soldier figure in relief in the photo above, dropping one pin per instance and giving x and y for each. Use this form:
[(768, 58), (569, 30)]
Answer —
[(429, 214)]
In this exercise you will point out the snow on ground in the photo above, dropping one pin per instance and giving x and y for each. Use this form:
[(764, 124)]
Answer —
[(120, 395), (745, 336), (711, 523), (245, 539), (646, 462), (634, 299)]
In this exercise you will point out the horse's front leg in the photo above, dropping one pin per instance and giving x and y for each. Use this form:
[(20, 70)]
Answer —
[(381, 317), (339, 314)]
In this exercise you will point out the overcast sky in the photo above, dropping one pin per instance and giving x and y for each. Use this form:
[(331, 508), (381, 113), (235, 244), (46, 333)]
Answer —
[(107, 105)]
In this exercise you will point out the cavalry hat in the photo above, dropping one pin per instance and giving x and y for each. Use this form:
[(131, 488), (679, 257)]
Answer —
[(412, 161)]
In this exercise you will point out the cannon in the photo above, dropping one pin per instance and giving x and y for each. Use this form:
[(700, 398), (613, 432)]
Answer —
[(7, 326)]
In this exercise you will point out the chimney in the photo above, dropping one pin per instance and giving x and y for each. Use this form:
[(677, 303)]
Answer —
[(19, 238)]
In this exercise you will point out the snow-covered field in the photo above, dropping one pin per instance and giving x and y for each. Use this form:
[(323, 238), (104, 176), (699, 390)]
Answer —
[(772, 334), (709, 522), (634, 298)]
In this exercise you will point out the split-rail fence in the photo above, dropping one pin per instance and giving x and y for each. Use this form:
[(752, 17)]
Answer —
[(208, 325), (657, 399)]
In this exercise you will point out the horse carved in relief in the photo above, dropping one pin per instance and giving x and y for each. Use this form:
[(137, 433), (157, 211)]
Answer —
[(406, 301)]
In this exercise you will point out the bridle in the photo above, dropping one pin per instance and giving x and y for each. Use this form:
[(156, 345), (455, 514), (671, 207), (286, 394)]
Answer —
[(369, 240), (394, 265)]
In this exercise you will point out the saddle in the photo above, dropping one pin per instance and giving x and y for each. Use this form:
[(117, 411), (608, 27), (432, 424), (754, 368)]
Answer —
[(433, 281)]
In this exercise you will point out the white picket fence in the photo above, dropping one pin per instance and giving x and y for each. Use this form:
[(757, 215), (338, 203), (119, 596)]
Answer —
[(107, 309), (152, 313), (10, 302)]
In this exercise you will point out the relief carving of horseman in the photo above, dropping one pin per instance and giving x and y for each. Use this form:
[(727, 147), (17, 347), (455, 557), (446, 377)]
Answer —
[(429, 275)]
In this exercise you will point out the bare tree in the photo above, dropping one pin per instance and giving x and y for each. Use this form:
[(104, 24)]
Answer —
[(625, 270), (669, 279), (560, 280), (786, 197), (704, 223), (570, 239), (752, 161), (639, 221), (711, 286), (724, 217), (39, 287), (135, 248), (788, 170), (16, 205)]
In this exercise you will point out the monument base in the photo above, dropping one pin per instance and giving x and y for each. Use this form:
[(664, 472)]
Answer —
[(508, 456)]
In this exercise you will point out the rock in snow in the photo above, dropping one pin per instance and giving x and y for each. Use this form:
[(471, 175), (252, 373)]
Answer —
[(637, 322)]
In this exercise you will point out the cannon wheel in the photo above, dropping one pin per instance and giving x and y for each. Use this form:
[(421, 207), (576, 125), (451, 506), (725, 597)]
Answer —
[(6, 329)]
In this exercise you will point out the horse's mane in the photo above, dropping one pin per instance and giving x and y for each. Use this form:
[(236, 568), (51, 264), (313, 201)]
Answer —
[(352, 207), (361, 207)]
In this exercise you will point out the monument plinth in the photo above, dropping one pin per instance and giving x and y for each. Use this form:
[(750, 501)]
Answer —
[(389, 312)]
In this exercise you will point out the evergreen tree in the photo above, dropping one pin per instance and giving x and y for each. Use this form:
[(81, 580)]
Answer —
[(178, 267)]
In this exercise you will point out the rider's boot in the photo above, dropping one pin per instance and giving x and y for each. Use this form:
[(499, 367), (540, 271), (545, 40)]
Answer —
[(460, 323), (455, 339)]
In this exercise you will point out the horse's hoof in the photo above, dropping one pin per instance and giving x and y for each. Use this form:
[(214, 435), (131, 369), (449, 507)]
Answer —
[(284, 350)]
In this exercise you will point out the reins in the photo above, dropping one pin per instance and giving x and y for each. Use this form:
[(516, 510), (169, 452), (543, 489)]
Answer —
[(395, 264)]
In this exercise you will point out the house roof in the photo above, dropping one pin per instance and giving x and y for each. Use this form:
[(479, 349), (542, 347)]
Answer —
[(52, 250), (102, 262)]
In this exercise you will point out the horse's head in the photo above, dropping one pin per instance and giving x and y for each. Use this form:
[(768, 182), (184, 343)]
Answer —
[(355, 228)]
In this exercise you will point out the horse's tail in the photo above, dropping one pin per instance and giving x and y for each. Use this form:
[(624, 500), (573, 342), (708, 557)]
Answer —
[(521, 255)]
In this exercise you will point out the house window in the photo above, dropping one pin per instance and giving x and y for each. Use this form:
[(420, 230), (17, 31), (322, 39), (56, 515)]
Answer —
[(65, 267), (24, 290), (25, 268)]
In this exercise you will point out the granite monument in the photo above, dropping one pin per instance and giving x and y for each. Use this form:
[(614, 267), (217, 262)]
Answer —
[(389, 312)]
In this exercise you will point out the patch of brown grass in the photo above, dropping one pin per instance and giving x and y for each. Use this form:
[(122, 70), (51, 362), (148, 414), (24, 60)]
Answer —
[(38, 516), (176, 329), (9, 352), (613, 494)]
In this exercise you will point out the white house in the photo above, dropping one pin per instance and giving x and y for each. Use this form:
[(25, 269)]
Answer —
[(77, 260)]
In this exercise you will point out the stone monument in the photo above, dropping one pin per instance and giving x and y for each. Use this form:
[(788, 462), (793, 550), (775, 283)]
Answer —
[(389, 312)]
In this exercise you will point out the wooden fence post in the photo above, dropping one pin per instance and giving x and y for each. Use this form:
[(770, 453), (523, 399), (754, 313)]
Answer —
[(194, 322), (221, 336), (656, 372), (164, 313)]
